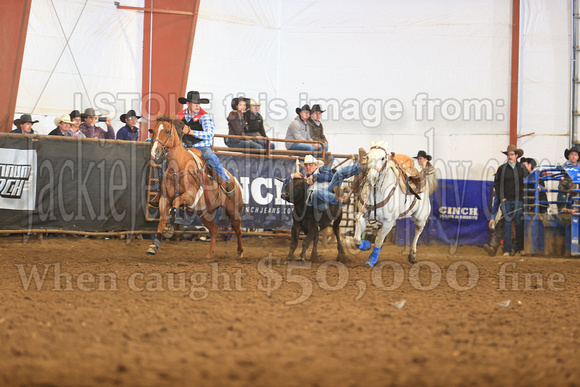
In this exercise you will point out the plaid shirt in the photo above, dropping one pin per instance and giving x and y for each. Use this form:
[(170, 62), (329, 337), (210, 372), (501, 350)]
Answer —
[(208, 126)]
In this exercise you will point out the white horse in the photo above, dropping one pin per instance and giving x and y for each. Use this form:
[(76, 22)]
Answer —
[(383, 199)]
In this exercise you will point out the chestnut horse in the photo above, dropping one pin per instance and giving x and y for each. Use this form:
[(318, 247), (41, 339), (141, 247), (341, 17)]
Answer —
[(188, 184)]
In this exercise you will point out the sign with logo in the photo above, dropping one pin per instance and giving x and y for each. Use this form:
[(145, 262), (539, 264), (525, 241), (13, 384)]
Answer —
[(17, 179), (459, 215)]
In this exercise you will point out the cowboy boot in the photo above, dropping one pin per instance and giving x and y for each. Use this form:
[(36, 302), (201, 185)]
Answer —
[(363, 159), (339, 194), (229, 187)]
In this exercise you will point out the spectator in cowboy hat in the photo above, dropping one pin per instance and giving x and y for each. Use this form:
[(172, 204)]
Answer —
[(317, 130), (75, 117), (90, 130), (62, 126), (238, 126), (422, 157), (299, 130), (566, 184), (24, 124), (255, 123), (509, 189), (129, 132)]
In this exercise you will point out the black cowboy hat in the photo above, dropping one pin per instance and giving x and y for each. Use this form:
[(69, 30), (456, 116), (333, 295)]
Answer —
[(130, 113), (573, 149), (424, 154), (74, 114), (530, 161), (305, 107), (316, 108), (192, 96), (237, 100), (24, 118)]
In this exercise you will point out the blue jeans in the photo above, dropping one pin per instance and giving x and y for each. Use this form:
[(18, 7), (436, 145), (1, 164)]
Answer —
[(242, 144), (344, 173), (263, 144), (322, 197), (212, 160), (299, 146), (513, 211)]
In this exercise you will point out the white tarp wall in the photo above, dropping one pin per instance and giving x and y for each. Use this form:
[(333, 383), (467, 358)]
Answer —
[(431, 75), (81, 54)]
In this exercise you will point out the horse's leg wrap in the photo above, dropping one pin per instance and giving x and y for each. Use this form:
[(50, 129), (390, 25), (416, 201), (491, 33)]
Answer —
[(155, 245), (169, 229), (373, 257), (364, 245)]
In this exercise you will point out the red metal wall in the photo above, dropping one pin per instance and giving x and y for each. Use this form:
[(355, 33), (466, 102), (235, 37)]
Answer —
[(166, 57), (13, 26)]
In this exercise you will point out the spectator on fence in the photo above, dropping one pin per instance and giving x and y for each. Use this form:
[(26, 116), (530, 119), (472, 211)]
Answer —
[(255, 123), (24, 124), (317, 130), (566, 185), (62, 126), (529, 197), (129, 132), (299, 130), (89, 128), (238, 126), (75, 117), (509, 189)]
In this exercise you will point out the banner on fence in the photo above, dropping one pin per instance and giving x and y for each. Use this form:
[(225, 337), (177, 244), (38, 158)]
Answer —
[(459, 215)]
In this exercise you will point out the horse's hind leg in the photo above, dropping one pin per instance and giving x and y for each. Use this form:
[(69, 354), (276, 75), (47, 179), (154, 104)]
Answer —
[(208, 222), (234, 216), (419, 226), (383, 232)]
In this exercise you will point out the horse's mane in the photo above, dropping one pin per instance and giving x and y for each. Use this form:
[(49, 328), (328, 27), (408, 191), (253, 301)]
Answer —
[(177, 123)]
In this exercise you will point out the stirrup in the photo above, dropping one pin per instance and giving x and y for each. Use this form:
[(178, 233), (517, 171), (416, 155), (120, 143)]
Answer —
[(231, 186), (154, 203)]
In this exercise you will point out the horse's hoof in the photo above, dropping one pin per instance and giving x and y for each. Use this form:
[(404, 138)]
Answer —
[(370, 263), (168, 231), (152, 250), (241, 255), (412, 258)]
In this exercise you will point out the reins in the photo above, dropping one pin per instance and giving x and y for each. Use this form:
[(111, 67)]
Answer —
[(383, 202)]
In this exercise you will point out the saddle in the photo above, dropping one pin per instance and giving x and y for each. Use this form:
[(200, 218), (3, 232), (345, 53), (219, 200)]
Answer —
[(411, 180)]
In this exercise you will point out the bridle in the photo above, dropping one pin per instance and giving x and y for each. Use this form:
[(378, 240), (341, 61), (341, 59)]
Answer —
[(163, 144)]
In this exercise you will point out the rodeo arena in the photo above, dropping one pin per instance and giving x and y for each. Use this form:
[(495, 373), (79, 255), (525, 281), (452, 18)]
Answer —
[(290, 193)]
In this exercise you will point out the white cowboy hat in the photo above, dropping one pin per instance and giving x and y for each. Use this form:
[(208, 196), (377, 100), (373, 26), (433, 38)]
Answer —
[(63, 118), (254, 102), (309, 159)]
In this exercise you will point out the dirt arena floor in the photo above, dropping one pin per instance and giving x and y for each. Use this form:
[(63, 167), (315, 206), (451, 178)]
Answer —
[(115, 316)]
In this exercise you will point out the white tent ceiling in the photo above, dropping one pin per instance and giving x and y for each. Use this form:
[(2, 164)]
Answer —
[(431, 75)]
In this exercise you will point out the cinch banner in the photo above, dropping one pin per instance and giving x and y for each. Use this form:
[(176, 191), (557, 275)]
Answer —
[(51, 182), (18, 179), (459, 215), (260, 190)]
